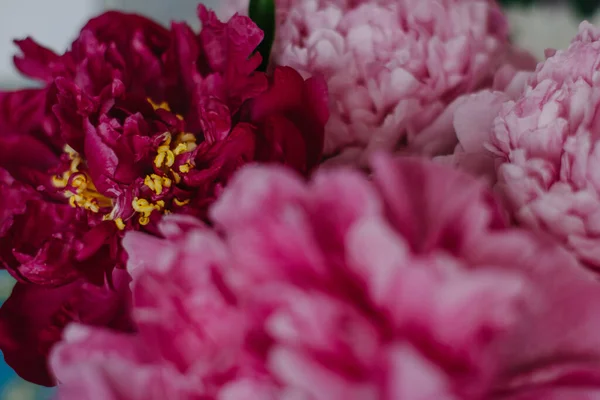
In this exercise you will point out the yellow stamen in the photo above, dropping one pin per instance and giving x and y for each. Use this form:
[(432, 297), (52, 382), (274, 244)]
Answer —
[(157, 182), (180, 149), (71, 152), (170, 159), (164, 105), (159, 159), (83, 193), (142, 205), (60, 181), (168, 139), (146, 208), (187, 137), (164, 155), (79, 182), (181, 202), (93, 207), (73, 200), (120, 224), (148, 181), (75, 164), (176, 177), (185, 168)]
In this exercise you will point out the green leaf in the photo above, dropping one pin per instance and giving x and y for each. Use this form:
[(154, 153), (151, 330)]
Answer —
[(262, 12), (585, 8)]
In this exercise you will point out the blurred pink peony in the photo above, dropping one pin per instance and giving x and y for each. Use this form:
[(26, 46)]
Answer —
[(342, 288), (392, 66), (542, 146)]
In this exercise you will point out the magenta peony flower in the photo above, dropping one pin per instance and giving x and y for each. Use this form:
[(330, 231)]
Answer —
[(392, 66), (40, 233), (342, 288), (32, 141), (33, 318), (135, 122), (138, 142), (543, 144)]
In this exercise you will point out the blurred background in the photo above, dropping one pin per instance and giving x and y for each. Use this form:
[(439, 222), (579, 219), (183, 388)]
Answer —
[(536, 25)]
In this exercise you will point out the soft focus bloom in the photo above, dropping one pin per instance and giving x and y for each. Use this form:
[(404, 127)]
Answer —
[(392, 66), (135, 122), (342, 288), (543, 145)]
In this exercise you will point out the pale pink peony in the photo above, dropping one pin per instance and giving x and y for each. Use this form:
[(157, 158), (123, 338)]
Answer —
[(472, 118), (401, 288), (392, 66), (543, 145)]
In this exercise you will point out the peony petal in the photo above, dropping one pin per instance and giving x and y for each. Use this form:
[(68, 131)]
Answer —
[(31, 321), (37, 62), (432, 186), (473, 119)]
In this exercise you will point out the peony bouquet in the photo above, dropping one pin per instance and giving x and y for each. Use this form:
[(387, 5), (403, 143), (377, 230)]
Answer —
[(304, 200)]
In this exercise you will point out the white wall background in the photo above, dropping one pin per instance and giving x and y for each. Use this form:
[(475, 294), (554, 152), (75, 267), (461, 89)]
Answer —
[(51, 22), (163, 10), (54, 23), (547, 26)]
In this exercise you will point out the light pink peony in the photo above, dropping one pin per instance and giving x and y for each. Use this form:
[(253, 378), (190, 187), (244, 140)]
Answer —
[(543, 145), (344, 289), (392, 66)]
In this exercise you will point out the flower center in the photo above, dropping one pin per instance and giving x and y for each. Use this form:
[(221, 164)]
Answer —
[(169, 149), (78, 186), (170, 162), (165, 161)]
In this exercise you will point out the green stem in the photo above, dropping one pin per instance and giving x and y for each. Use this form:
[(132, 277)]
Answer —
[(262, 12)]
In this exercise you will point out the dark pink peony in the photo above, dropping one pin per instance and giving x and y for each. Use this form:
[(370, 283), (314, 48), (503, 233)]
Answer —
[(401, 288), (41, 235), (135, 121), (32, 141), (33, 318), (132, 155)]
